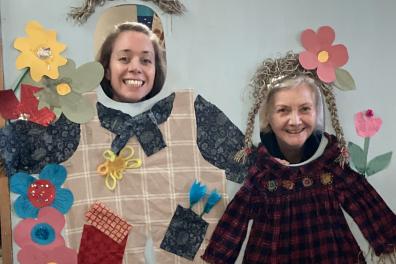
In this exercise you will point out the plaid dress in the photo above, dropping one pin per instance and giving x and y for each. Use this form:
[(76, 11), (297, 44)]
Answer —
[(297, 216)]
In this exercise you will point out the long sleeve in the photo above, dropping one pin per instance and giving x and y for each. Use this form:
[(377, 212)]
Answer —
[(374, 218), (230, 232)]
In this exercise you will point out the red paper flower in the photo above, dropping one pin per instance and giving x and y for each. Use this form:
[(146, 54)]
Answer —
[(366, 124), (320, 54), (58, 255), (27, 108)]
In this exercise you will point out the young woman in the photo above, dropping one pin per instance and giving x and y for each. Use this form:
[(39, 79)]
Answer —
[(133, 62)]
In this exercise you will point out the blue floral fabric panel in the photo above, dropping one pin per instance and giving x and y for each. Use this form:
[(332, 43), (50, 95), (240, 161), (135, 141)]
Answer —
[(27, 146), (144, 126), (185, 233), (219, 140)]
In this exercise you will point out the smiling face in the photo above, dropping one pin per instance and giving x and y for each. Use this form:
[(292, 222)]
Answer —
[(293, 116), (131, 69)]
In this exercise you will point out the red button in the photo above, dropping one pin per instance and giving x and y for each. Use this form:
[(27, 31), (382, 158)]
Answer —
[(41, 193)]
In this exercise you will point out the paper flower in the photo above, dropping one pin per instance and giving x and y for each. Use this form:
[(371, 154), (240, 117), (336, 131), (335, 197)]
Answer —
[(65, 93), (320, 54), (366, 124), (42, 192), (213, 198), (197, 191), (58, 255), (40, 51), (27, 108), (43, 232)]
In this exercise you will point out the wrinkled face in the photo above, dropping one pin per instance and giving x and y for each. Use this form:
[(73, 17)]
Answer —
[(293, 116), (132, 67)]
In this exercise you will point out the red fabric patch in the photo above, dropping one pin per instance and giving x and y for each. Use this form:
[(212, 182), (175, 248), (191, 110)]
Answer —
[(41, 193), (97, 247)]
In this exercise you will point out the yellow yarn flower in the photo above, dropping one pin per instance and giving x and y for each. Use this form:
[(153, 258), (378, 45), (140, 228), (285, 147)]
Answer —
[(40, 51), (114, 166)]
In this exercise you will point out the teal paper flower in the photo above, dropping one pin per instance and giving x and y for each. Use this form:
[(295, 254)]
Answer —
[(64, 94), (43, 192)]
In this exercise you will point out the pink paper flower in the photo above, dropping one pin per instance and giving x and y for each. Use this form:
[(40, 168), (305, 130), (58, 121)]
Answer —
[(320, 54), (58, 255), (366, 124), (43, 232)]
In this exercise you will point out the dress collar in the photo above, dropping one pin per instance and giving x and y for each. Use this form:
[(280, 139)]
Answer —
[(144, 125), (266, 162)]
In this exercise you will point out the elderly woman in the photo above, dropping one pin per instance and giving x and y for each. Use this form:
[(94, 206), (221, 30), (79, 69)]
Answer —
[(299, 182)]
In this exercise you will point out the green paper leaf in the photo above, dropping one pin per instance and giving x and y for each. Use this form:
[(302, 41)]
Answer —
[(67, 70), (57, 111), (87, 77), (344, 80), (378, 163), (357, 157), (76, 108), (16, 85), (47, 98)]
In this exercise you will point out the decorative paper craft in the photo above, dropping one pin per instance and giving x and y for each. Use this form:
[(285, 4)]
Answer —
[(322, 55), (38, 193), (40, 51), (115, 165), (27, 108), (367, 125), (65, 93), (44, 232), (58, 255), (187, 230), (104, 240)]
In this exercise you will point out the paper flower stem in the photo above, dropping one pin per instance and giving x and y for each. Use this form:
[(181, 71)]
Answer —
[(365, 151)]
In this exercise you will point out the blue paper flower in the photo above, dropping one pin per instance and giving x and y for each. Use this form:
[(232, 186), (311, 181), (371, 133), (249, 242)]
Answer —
[(42, 192), (213, 198), (197, 191)]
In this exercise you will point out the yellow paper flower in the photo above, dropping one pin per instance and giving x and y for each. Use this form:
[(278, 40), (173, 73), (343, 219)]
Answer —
[(40, 51)]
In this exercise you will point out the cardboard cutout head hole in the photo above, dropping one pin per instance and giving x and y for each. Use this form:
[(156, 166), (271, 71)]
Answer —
[(291, 119), (129, 43)]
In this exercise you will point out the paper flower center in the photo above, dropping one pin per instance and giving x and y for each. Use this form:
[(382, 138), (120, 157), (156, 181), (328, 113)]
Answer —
[(323, 56), (51, 262), (43, 234), (41, 193), (369, 113), (44, 53), (63, 89)]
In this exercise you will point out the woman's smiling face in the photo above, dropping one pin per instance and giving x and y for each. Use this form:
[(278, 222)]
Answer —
[(293, 116), (132, 67)]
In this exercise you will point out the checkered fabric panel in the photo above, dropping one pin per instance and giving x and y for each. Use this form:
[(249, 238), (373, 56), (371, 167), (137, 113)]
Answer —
[(108, 222), (148, 196)]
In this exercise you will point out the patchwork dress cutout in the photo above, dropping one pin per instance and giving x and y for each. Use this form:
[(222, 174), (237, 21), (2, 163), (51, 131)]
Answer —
[(146, 197)]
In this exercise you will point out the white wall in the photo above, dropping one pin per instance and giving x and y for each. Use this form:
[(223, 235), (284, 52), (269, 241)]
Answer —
[(216, 46)]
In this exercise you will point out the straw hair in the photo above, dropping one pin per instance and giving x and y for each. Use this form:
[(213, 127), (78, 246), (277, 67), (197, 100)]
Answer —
[(272, 73), (81, 14)]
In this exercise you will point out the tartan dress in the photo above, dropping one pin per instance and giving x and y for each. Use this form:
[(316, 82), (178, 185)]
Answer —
[(297, 216)]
